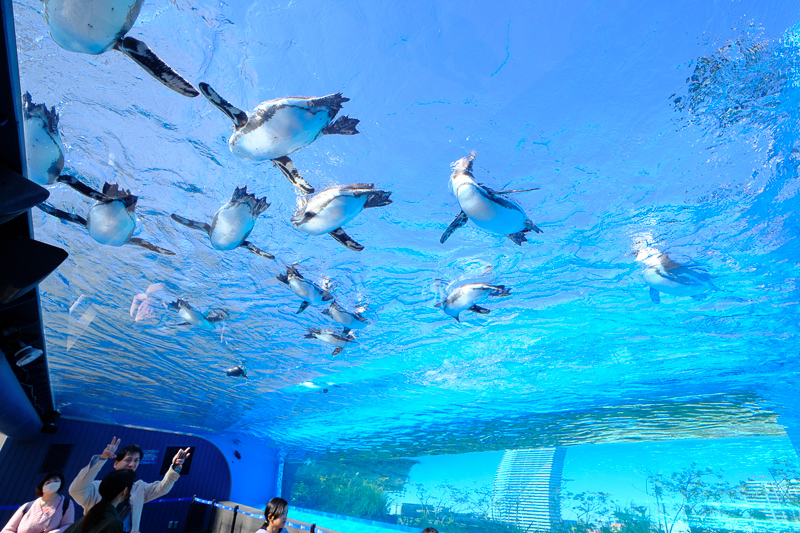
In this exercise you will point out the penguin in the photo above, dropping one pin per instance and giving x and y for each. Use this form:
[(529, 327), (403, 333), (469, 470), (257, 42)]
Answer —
[(96, 26), (44, 151), (111, 220), (276, 128), (340, 341), (466, 297), (329, 210), (195, 318), (236, 372), (233, 222), (662, 274), (487, 209), (347, 320), (307, 291)]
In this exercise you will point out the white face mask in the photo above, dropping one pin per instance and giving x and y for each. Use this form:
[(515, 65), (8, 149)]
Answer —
[(51, 486)]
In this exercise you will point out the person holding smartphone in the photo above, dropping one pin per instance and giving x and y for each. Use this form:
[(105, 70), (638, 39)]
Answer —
[(85, 489)]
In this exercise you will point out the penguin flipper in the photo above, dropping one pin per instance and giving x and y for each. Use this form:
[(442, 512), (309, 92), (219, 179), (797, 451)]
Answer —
[(459, 222), (518, 238), (512, 191), (189, 223), (478, 309), (337, 350), (145, 58), (238, 116), (343, 238), (303, 306), (256, 250), (63, 215), (655, 296), (150, 246), (287, 168), (81, 187)]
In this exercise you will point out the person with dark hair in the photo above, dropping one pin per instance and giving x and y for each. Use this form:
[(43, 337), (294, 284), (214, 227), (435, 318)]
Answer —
[(85, 489), (49, 513), (430, 530), (275, 513), (103, 516)]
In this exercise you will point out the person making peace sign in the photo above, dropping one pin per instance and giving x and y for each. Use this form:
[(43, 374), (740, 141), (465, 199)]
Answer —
[(84, 488)]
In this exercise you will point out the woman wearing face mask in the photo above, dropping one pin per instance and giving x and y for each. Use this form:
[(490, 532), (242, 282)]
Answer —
[(49, 513), (103, 517)]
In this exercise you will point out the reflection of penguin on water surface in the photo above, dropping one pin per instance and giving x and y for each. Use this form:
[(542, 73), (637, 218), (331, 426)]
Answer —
[(347, 319), (196, 318), (466, 297), (309, 292), (662, 274), (488, 209), (340, 341), (95, 26)]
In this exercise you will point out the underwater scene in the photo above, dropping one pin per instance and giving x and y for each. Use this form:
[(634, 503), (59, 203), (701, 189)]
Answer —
[(513, 267)]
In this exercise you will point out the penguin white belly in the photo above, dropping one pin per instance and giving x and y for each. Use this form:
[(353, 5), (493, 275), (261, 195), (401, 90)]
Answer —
[(346, 320), (488, 214), (43, 152), (662, 281), (335, 214), (305, 290), (194, 318), (331, 339), (289, 129), (110, 223), (464, 300), (90, 26), (231, 226)]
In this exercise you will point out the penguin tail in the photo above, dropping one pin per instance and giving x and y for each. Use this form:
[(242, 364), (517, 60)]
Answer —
[(343, 125)]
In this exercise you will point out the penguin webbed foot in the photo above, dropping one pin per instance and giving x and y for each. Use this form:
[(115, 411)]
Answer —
[(654, 296), (459, 222), (345, 331), (287, 168), (518, 238), (343, 238), (303, 306), (337, 351), (150, 246), (343, 125), (258, 251), (155, 66)]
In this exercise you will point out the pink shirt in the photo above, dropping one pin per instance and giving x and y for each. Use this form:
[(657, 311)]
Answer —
[(40, 519)]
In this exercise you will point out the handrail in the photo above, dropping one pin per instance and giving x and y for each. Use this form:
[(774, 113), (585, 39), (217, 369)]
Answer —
[(289, 523)]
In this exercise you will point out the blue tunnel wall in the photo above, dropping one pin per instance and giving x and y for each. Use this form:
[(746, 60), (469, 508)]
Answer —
[(21, 464)]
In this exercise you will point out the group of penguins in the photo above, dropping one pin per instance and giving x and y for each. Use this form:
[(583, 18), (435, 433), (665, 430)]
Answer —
[(272, 131)]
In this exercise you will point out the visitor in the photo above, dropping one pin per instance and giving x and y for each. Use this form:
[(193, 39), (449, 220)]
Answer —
[(85, 490), (103, 516), (430, 530), (275, 514), (49, 513)]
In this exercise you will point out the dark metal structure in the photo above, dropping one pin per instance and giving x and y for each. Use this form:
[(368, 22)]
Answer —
[(25, 394)]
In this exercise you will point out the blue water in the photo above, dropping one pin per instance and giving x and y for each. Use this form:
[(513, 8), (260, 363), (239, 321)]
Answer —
[(671, 126)]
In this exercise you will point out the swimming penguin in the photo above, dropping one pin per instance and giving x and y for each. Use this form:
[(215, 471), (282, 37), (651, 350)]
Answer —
[(346, 319), (340, 341), (232, 223), (276, 128), (96, 26), (466, 297), (485, 207), (662, 274), (195, 318), (309, 292), (44, 151), (111, 220), (332, 208), (236, 372)]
